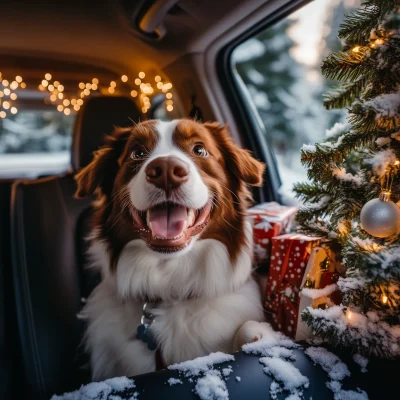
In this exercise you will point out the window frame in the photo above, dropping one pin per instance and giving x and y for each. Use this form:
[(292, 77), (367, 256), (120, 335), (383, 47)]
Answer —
[(243, 111)]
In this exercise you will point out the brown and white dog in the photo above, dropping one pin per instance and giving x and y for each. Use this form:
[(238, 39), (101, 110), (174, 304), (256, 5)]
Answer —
[(170, 230)]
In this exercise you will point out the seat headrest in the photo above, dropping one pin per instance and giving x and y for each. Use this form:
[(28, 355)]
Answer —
[(97, 118)]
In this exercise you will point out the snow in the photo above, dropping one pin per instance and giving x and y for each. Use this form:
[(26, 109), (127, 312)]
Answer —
[(99, 390), (381, 160), (341, 173), (337, 129), (238, 378), (174, 381), (227, 371), (386, 105), (330, 363), (361, 361), (316, 293), (202, 364), (340, 394), (285, 372), (264, 346), (309, 147), (363, 327), (323, 202), (211, 387), (382, 141)]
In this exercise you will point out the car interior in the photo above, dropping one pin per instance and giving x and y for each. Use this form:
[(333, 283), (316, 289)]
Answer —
[(128, 61)]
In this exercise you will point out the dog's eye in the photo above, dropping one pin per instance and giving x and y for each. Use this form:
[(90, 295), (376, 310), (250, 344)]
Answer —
[(137, 153), (200, 151)]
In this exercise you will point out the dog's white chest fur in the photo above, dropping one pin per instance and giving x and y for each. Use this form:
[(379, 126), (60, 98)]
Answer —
[(205, 300)]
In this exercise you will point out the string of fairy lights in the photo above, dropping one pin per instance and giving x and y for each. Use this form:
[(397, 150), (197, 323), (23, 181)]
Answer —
[(70, 100)]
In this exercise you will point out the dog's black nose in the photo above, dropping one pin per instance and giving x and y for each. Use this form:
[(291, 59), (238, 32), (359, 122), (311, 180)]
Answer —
[(167, 173)]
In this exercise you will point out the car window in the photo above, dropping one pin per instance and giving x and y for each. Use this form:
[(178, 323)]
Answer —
[(280, 69), (35, 137)]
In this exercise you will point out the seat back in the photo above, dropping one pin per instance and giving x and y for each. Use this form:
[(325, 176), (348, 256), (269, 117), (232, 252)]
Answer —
[(48, 228)]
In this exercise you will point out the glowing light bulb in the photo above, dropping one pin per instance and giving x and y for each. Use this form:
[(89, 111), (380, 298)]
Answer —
[(159, 85), (3, 114), (349, 315), (111, 90), (77, 107), (95, 81), (142, 75), (60, 107), (14, 110), (169, 102), (157, 78), (168, 85), (60, 88), (18, 78), (88, 86), (13, 96), (60, 96), (79, 102), (6, 105), (23, 85), (41, 87), (67, 111), (379, 41), (124, 78), (384, 299), (94, 86), (113, 84), (397, 162), (66, 102), (50, 88), (134, 93), (53, 97), (138, 81), (56, 84), (7, 91), (86, 92), (168, 95), (144, 110), (73, 101), (5, 82), (13, 85), (45, 83), (1, 94), (356, 49), (143, 86), (170, 108), (81, 85), (48, 76)]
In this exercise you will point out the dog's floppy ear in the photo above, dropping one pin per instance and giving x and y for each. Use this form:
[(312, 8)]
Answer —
[(239, 161), (102, 170)]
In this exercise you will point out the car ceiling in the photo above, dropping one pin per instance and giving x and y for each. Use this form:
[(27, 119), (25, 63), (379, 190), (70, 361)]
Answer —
[(100, 33)]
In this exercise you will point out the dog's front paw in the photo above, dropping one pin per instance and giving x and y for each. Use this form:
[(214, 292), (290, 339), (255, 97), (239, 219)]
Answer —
[(251, 331)]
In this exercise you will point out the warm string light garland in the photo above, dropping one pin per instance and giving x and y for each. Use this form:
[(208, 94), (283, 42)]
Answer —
[(67, 104), (8, 95)]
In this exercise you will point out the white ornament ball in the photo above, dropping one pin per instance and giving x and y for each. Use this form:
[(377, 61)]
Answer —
[(380, 218)]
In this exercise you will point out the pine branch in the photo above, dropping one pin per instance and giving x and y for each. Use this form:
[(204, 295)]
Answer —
[(357, 26), (343, 66), (345, 94), (370, 336)]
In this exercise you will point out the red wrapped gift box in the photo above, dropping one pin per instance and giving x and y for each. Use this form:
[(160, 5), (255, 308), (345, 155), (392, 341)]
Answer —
[(269, 220), (289, 258)]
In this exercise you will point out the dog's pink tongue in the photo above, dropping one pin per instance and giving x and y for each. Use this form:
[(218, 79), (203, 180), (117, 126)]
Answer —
[(168, 222)]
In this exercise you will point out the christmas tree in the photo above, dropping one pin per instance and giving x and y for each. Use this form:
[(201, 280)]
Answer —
[(354, 183)]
